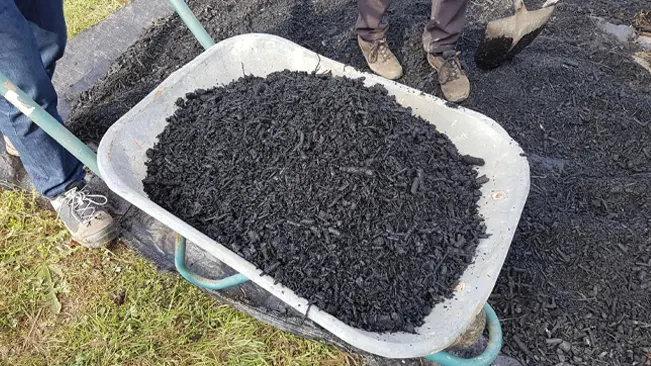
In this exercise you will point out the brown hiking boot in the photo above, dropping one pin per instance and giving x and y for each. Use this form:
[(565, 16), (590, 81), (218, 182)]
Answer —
[(380, 58), (454, 82)]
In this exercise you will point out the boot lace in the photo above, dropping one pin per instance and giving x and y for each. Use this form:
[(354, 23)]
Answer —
[(83, 204), (451, 68), (378, 47)]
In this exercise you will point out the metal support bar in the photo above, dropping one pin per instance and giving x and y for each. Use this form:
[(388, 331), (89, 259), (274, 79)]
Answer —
[(179, 260), (490, 353), (193, 24), (49, 124)]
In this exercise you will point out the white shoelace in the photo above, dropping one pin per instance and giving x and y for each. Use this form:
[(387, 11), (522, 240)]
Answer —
[(83, 203)]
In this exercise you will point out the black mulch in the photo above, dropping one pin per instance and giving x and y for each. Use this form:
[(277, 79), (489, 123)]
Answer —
[(334, 189)]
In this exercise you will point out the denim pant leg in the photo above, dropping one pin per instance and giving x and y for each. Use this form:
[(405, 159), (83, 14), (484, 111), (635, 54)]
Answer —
[(32, 42)]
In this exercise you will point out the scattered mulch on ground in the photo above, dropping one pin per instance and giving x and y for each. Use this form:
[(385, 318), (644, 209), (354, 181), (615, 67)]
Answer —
[(579, 268), (334, 189)]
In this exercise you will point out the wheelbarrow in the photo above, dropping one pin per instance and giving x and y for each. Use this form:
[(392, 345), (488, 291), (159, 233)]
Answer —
[(121, 158)]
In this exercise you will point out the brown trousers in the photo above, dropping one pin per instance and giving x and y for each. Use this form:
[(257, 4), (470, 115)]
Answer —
[(441, 32)]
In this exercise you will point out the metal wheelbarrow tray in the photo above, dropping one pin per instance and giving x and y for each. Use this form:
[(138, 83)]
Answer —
[(121, 160)]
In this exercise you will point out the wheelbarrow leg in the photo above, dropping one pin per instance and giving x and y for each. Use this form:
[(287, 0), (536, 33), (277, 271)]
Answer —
[(490, 353), (179, 261), (191, 21)]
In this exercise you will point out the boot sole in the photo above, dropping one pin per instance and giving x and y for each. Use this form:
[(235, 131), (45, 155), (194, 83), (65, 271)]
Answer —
[(384, 76), (98, 240), (460, 99), (11, 150)]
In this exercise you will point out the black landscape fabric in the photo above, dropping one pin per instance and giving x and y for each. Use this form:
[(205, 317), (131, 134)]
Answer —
[(334, 189), (576, 286)]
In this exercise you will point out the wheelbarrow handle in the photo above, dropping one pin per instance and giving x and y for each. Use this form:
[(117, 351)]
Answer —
[(490, 353), (179, 261), (47, 123), (191, 21)]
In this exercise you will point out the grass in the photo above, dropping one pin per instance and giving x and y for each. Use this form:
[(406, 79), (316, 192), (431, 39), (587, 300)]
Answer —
[(74, 306), (82, 14)]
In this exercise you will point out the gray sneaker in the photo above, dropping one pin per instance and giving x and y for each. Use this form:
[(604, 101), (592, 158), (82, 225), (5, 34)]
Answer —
[(82, 215)]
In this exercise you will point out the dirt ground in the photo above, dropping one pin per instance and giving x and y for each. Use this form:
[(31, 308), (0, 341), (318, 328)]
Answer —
[(576, 285)]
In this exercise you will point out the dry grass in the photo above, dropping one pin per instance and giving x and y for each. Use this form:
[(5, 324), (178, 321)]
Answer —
[(82, 14)]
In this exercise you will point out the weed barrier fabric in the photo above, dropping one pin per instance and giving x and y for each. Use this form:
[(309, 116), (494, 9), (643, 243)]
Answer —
[(575, 285), (332, 188)]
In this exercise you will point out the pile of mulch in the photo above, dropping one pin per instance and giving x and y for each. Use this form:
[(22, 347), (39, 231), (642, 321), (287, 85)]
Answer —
[(334, 189), (575, 286)]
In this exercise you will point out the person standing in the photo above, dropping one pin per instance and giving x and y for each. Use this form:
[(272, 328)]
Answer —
[(32, 38), (439, 41)]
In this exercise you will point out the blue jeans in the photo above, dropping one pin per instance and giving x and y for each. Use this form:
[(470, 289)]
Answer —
[(32, 38)]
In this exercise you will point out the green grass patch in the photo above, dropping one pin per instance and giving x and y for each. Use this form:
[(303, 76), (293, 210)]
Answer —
[(74, 306), (82, 14)]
